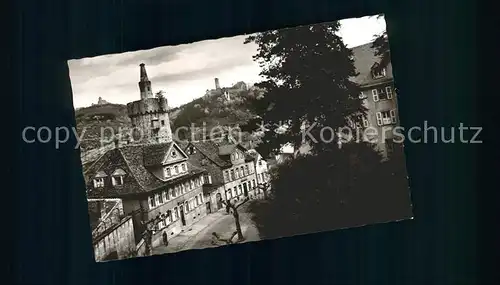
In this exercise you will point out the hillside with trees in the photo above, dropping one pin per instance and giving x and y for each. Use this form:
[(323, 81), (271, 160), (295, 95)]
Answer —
[(209, 110)]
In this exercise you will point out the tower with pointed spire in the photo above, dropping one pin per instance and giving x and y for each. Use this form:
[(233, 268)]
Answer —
[(144, 83), (149, 115)]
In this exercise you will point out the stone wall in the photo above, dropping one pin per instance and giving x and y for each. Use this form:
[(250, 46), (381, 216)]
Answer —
[(141, 114), (118, 240)]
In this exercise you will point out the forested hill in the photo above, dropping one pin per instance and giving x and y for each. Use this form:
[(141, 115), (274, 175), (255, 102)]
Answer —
[(216, 110), (212, 110)]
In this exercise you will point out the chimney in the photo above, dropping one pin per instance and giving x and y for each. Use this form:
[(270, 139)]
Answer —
[(116, 142), (217, 86)]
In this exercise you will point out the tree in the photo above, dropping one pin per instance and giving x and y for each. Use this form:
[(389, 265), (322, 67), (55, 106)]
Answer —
[(234, 208), (265, 186), (149, 227), (306, 73), (227, 241), (343, 188), (159, 94), (382, 50)]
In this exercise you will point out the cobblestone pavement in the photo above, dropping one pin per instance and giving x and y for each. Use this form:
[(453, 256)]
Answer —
[(200, 235)]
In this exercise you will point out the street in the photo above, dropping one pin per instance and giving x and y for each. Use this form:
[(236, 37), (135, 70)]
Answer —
[(201, 234)]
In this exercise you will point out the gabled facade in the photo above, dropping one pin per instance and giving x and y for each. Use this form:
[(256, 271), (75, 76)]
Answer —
[(231, 169), (261, 167), (379, 97), (151, 180)]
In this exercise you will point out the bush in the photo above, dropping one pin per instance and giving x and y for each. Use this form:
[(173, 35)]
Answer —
[(340, 188)]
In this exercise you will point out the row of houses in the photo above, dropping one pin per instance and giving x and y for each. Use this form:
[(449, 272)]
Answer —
[(173, 184)]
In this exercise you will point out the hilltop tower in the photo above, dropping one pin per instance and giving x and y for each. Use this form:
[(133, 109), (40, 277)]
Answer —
[(217, 85), (150, 114)]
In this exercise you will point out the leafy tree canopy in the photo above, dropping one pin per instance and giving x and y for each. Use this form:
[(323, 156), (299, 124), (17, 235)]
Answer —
[(307, 73)]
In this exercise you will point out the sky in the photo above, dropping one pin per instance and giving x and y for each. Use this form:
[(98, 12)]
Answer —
[(185, 72)]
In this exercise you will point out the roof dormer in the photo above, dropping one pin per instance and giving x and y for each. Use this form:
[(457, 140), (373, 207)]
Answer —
[(377, 71), (99, 179), (117, 177)]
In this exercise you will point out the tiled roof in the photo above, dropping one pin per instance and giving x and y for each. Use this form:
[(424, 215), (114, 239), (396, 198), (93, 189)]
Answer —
[(139, 179), (155, 153), (226, 149), (94, 210), (211, 150), (364, 59)]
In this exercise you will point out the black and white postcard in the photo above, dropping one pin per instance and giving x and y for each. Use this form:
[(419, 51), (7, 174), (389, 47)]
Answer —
[(240, 139)]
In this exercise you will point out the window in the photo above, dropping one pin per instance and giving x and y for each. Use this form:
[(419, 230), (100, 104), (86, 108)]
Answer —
[(173, 154), (375, 95), (378, 74), (393, 116), (228, 194), (226, 176), (183, 167), (191, 185), (175, 214), (98, 182), (253, 183), (235, 191), (157, 199), (197, 200), (388, 91), (237, 172), (161, 225), (162, 123), (186, 205), (152, 203), (260, 162), (117, 180), (366, 123), (242, 171), (160, 197), (167, 196), (168, 172), (386, 117), (382, 94), (176, 169), (239, 190), (232, 175), (201, 198)]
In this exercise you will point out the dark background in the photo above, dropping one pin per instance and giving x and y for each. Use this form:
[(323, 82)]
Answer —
[(433, 71)]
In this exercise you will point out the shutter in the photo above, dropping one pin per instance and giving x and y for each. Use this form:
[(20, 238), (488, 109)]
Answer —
[(379, 118), (393, 116), (375, 95), (388, 91)]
